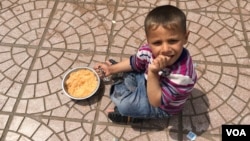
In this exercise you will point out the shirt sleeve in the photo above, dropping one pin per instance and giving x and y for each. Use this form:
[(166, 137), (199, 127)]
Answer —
[(139, 62)]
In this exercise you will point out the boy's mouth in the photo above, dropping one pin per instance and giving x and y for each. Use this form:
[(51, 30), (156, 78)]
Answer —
[(169, 56)]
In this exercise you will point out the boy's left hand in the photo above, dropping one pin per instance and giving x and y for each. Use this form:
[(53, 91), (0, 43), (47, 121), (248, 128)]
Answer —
[(102, 69)]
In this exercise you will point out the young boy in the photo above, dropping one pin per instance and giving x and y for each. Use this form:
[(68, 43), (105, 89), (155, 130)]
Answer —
[(160, 76)]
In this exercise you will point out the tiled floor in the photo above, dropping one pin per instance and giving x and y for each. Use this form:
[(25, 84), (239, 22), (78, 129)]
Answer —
[(40, 40)]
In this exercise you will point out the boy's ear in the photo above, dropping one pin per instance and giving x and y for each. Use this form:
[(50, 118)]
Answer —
[(186, 36)]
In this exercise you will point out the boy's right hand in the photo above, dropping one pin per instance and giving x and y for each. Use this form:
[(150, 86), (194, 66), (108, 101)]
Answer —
[(102, 69)]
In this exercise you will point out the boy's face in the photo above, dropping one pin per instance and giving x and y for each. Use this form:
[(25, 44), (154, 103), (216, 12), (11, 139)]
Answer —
[(167, 42)]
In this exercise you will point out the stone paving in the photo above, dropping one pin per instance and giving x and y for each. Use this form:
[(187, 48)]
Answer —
[(40, 40)]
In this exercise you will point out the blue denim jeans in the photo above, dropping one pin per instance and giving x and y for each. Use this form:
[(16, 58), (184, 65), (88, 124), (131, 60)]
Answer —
[(130, 97)]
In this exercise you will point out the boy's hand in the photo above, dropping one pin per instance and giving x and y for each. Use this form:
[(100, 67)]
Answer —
[(159, 63), (102, 69)]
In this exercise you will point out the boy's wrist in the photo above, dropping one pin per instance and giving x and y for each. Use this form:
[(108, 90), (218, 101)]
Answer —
[(111, 69), (153, 73)]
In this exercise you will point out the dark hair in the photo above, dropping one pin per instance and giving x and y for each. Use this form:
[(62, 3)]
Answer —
[(168, 16)]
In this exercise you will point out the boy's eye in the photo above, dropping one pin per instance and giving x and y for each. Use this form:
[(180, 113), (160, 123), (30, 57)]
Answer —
[(157, 43), (172, 41)]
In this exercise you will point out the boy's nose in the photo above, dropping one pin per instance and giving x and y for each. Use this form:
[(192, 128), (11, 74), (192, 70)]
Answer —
[(165, 49)]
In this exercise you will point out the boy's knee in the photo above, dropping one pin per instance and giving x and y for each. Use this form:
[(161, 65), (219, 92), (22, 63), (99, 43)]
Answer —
[(125, 109)]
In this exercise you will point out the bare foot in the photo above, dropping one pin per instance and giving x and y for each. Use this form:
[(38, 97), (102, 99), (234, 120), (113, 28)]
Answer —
[(109, 110)]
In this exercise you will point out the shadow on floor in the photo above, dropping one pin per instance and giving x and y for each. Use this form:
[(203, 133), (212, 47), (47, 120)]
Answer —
[(194, 117)]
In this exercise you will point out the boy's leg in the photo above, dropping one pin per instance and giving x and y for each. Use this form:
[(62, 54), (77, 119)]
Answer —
[(131, 99), (115, 116)]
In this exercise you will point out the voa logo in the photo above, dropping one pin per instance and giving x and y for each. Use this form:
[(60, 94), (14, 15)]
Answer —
[(236, 132)]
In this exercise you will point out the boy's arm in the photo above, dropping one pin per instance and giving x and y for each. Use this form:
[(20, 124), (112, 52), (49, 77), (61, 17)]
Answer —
[(109, 69), (123, 66), (154, 89)]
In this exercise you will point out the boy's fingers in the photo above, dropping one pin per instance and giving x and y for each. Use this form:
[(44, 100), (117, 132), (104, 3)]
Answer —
[(108, 63)]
